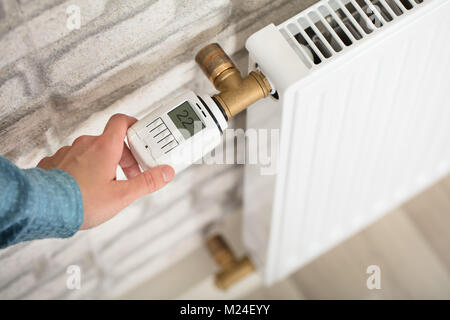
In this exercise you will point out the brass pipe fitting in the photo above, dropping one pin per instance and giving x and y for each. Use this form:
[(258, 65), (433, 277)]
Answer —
[(236, 93), (232, 270)]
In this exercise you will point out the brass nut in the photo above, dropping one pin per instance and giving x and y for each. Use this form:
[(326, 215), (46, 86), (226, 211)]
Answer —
[(213, 61)]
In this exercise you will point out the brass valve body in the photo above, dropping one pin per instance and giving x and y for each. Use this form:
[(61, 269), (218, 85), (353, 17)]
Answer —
[(236, 93), (232, 270)]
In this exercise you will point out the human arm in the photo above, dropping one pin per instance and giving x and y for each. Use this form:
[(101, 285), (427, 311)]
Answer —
[(75, 188)]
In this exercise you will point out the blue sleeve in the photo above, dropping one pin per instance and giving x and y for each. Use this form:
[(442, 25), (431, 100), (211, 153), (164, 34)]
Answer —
[(37, 204)]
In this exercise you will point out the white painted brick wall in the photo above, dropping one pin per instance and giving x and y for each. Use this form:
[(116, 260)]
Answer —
[(56, 84), (45, 28)]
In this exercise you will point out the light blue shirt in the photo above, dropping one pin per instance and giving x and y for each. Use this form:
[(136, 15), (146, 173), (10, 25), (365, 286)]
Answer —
[(37, 204)]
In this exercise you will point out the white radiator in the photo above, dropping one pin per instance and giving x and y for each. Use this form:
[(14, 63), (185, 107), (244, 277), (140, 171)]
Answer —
[(364, 116)]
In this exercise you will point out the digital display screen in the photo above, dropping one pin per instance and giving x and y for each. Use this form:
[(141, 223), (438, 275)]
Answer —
[(186, 120)]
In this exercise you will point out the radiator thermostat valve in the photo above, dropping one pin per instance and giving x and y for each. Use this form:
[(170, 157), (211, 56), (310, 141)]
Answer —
[(190, 126)]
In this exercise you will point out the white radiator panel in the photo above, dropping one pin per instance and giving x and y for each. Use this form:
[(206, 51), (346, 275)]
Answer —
[(361, 132)]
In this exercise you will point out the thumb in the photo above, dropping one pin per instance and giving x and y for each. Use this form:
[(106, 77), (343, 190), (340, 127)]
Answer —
[(147, 182)]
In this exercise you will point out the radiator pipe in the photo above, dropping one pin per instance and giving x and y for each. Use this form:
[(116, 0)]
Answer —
[(232, 269)]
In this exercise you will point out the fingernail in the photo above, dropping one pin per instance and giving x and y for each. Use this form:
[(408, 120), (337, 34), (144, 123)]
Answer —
[(167, 173)]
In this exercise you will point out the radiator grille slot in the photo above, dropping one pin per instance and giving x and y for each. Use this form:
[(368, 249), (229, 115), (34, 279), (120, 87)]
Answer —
[(331, 26)]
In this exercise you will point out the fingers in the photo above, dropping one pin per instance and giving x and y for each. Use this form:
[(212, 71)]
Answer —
[(117, 126), (60, 154), (85, 139), (50, 162), (128, 163), (45, 163), (145, 183)]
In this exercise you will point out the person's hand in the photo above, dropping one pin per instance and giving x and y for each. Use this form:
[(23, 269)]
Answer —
[(92, 161)]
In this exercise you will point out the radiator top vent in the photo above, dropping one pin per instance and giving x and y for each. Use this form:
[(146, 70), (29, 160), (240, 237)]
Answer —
[(329, 27)]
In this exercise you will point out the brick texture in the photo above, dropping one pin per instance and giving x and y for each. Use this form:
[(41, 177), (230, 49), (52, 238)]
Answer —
[(56, 84)]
